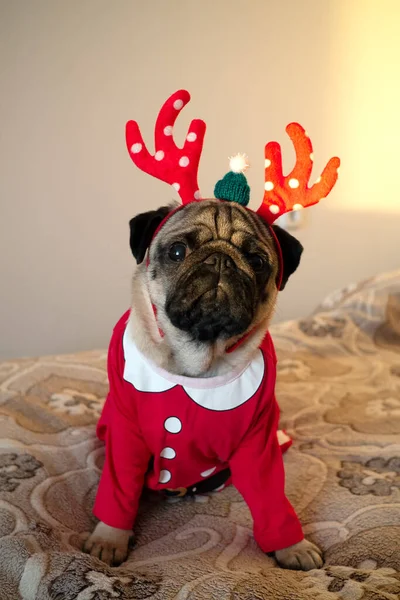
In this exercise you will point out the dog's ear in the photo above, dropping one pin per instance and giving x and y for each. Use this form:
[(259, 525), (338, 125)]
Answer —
[(142, 229), (291, 252)]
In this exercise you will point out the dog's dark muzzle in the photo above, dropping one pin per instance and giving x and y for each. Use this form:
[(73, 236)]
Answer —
[(213, 299)]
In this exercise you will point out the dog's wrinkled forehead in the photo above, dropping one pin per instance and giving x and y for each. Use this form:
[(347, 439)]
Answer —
[(211, 220)]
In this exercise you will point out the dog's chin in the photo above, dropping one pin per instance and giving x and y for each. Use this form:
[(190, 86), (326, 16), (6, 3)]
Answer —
[(210, 318)]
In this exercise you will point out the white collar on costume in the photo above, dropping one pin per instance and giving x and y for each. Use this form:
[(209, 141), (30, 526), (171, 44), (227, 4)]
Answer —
[(214, 393)]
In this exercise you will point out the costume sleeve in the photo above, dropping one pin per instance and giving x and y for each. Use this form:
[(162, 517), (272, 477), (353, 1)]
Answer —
[(127, 456), (258, 473)]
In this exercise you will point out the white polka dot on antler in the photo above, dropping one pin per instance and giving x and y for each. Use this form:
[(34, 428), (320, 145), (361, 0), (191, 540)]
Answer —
[(274, 208), (312, 156), (318, 180), (178, 104), (183, 161), (197, 195), (297, 206), (176, 186), (267, 163), (269, 186), (208, 472), (294, 183), (159, 155), (165, 476), (168, 130), (168, 453), (136, 148), (173, 425), (191, 137)]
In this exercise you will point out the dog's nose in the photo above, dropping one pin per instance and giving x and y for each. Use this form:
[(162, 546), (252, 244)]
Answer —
[(220, 262)]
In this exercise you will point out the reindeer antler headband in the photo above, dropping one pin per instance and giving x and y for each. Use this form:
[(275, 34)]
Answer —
[(179, 166)]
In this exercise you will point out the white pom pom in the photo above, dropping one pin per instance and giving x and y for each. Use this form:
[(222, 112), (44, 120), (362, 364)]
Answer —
[(238, 163)]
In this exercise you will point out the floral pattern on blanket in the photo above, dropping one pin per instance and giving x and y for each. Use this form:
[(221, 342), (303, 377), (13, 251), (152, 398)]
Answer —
[(339, 392)]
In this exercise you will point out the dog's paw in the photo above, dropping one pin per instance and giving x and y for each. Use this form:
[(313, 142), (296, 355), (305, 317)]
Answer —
[(109, 544), (303, 556)]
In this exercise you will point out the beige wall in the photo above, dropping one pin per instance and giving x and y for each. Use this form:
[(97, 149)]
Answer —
[(73, 71)]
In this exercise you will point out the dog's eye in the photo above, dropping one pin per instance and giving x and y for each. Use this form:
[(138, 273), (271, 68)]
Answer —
[(256, 262), (177, 252)]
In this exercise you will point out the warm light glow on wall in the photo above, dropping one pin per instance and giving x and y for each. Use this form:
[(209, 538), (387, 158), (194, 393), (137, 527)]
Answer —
[(365, 96)]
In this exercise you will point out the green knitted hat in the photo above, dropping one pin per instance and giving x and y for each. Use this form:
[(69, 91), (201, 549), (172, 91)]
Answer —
[(233, 186)]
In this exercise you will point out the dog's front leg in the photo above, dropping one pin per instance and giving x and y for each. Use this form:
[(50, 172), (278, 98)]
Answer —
[(126, 462), (258, 473), (109, 544)]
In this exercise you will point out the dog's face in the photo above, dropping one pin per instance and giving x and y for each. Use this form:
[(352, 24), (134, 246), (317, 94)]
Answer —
[(213, 267)]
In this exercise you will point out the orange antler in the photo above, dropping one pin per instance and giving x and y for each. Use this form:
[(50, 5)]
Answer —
[(283, 194)]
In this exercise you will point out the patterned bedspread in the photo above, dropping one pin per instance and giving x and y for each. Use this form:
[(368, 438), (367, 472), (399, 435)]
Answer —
[(339, 391)]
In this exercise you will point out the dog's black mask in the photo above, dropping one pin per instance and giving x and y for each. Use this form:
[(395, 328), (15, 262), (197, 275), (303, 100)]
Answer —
[(212, 299)]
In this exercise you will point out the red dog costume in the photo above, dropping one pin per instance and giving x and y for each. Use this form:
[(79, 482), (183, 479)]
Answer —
[(166, 431), (188, 429)]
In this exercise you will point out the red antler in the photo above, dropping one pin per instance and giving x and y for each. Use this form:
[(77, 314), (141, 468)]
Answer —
[(283, 194), (176, 166)]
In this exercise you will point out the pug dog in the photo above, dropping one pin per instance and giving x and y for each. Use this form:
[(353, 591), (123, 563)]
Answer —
[(192, 375)]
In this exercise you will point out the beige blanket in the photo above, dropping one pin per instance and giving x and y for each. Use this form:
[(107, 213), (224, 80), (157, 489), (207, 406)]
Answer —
[(339, 390)]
